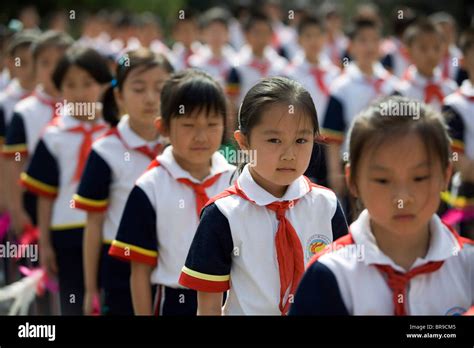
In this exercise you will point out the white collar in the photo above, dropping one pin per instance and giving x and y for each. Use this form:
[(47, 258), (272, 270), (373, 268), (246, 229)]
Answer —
[(42, 95), (167, 160), (416, 78), (260, 196), (467, 88), (379, 72), (132, 139), (443, 243), (66, 122)]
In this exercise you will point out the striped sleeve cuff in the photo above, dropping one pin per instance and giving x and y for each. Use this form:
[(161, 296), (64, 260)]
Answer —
[(12, 150), (129, 252), (232, 89), (204, 282), (332, 136), (38, 187), (457, 146), (87, 204)]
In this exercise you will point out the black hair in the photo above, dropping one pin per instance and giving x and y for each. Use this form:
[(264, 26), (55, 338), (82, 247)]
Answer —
[(270, 91), (309, 21), (361, 24), (85, 58), (215, 15), (189, 91), (254, 18), (51, 38), (142, 58), (89, 60), (373, 127)]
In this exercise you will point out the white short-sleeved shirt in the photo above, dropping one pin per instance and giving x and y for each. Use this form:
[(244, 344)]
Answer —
[(30, 116), (414, 86), (9, 97), (354, 286), (245, 74), (302, 71), (217, 67), (113, 166), (52, 168), (234, 247), (459, 109), (159, 220), (350, 93)]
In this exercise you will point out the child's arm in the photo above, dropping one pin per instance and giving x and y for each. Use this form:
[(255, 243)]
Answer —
[(42, 178), (15, 193), (47, 254), (92, 251), (141, 289), (209, 303), (136, 242), (92, 196), (16, 154)]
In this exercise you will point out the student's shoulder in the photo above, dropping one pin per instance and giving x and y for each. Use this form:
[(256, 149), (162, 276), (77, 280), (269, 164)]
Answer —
[(25, 105), (342, 83), (108, 142), (453, 99)]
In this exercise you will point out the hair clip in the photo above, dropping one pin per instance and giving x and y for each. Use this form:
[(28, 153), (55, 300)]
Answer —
[(113, 83)]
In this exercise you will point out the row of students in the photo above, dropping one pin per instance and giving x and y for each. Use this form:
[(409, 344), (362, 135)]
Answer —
[(172, 290)]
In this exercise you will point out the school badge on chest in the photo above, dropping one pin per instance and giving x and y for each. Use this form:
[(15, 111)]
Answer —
[(315, 244)]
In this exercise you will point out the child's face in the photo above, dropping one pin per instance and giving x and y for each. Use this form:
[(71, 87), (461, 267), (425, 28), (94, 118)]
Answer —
[(259, 36), (24, 72), (399, 185), (186, 32), (140, 94), (196, 137), (312, 40), (283, 143), (78, 86), (365, 46), (45, 64), (215, 34), (426, 52)]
